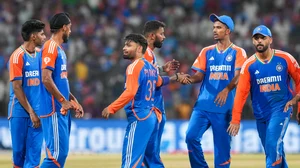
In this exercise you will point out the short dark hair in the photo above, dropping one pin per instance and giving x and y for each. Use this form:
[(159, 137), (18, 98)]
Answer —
[(31, 26), (152, 26), (138, 38)]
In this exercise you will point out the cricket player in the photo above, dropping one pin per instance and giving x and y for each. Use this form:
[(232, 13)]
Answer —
[(266, 75), (25, 83), (218, 68), (56, 93)]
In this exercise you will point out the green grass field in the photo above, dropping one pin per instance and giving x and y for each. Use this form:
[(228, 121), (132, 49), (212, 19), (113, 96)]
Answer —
[(170, 160)]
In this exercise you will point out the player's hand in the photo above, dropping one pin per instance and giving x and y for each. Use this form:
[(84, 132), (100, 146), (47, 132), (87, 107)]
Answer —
[(66, 105), (233, 129), (171, 66), (35, 120), (184, 78), (222, 97), (289, 104), (78, 109), (105, 113), (298, 117)]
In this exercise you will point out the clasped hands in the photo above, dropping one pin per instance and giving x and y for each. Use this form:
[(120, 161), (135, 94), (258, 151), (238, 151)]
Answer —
[(183, 78)]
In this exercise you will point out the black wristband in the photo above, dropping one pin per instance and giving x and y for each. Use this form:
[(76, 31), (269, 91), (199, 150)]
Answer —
[(176, 76)]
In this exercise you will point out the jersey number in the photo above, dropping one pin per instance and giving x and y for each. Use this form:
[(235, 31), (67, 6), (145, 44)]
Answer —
[(151, 85)]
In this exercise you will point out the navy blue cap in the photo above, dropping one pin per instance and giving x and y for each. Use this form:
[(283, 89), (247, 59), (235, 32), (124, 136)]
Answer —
[(223, 19), (262, 30)]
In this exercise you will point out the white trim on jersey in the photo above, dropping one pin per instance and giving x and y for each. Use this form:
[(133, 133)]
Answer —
[(16, 56), (130, 144)]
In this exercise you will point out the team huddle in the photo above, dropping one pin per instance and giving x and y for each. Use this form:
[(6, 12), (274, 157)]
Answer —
[(40, 98)]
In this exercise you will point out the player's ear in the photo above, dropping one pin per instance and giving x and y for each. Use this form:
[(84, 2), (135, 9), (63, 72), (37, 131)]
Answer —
[(152, 36), (253, 41), (140, 49), (33, 36), (271, 40), (227, 31), (64, 28)]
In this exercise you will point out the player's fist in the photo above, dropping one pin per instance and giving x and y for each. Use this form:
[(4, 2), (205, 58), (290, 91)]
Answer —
[(66, 105), (35, 120), (78, 109), (105, 113), (298, 118), (233, 129)]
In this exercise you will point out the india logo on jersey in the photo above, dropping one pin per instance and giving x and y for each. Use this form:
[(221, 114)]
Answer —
[(229, 58), (279, 67)]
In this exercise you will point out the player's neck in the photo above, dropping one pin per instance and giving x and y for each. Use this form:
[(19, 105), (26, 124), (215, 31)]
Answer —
[(139, 56), (151, 45), (264, 56), (29, 46), (57, 38), (223, 44)]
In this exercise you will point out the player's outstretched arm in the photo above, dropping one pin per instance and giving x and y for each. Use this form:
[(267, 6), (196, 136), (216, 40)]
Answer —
[(51, 87), (132, 85), (196, 78), (165, 80), (19, 92), (242, 93)]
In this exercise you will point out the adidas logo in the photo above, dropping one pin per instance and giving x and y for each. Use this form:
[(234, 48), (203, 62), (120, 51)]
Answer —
[(212, 58), (256, 72), (27, 64)]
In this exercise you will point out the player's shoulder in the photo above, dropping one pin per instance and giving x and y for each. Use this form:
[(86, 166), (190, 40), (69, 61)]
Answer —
[(248, 62), (16, 55), (239, 49), (50, 46), (205, 49), (283, 54), (135, 66), (209, 47)]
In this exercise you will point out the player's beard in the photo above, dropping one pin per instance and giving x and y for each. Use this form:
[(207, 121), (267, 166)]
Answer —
[(65, 38), (157, 43), (128, 56), (261, 50)]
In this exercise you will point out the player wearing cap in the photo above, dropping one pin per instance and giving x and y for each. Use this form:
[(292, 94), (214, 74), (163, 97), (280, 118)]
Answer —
[(56, 94), (266, 75), (218, 68)]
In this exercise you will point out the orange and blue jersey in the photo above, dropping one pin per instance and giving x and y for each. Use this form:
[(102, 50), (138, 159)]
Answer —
[(158, 98), (138, 97), (54, 59), (219, 68), (269, 85), (26, 67)]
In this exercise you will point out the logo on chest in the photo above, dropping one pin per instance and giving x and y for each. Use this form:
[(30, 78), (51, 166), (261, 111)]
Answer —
[(279, 67), (229, 58)]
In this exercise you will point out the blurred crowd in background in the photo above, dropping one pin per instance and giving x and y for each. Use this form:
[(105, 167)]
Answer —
[(96, 67)]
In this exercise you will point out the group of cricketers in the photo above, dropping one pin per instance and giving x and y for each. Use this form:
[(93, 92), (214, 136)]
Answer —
[(40, 97)]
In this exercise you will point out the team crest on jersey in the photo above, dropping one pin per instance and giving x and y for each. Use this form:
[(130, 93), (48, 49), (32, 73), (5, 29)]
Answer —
[(279, 67), (229, 58), (47, 60)]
